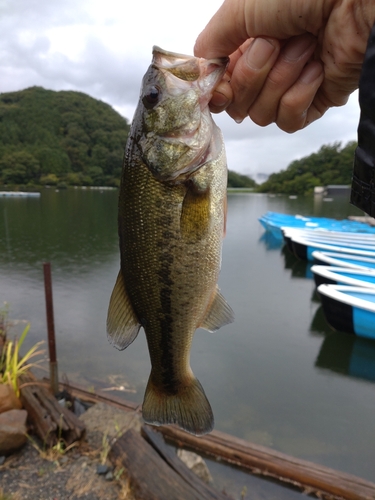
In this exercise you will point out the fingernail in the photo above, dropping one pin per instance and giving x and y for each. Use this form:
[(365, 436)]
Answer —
[(311, 72), (258, 53)]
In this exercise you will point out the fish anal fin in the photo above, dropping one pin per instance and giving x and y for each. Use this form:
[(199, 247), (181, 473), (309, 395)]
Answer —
[(188, 408), (219, 313), (195, 214), (122, 324)]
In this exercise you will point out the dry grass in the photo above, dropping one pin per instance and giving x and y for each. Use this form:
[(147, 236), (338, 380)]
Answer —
[(5, 496)]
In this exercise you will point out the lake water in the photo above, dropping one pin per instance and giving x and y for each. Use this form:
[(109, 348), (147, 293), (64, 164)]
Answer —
[(278, 376)]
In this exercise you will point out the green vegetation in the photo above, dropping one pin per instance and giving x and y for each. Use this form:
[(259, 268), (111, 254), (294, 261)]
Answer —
[(236, 180), (332, 164), (12, 366), (64, 138)]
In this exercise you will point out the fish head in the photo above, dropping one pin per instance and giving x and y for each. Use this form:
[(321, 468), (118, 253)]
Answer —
[(176, 127)]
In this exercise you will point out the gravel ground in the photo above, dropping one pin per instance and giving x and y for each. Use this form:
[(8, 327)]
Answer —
[(34, 474)]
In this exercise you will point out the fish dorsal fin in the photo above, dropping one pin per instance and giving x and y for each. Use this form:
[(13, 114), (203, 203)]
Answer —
[(219, 313), (195, 214), (122, 324)]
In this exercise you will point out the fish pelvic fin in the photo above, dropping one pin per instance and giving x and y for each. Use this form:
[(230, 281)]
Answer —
[(189, 408), (218, 314), (122, 323)]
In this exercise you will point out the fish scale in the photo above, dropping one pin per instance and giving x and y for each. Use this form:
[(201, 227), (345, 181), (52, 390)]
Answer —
[(171, 229)]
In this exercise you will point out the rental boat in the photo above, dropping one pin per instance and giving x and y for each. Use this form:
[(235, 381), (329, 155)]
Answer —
[(274, 221), (349, 309), (343, 260), (303, 248), (343, 276), (343, 238)]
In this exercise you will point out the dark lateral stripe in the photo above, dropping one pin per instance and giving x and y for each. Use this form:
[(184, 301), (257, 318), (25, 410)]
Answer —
[(166, 346)]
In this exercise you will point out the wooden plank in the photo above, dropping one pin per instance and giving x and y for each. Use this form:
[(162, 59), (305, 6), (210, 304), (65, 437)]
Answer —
[(51, 420), (204, 491), (256, 458), (272, 463), (150, 477), (43, 424)]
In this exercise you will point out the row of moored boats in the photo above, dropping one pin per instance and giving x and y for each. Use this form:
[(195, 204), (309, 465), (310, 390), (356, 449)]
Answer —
[(343, 256)]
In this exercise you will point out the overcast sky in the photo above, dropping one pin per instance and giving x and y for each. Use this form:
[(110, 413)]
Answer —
[(103, 48)]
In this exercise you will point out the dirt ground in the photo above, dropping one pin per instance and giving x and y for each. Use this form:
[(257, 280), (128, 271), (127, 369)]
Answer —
[(36, 474)]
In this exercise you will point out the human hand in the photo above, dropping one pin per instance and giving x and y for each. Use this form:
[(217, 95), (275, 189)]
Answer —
[(290, 60)]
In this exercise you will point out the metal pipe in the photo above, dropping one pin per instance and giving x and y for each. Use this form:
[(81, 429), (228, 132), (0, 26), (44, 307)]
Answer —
[(54, 378)]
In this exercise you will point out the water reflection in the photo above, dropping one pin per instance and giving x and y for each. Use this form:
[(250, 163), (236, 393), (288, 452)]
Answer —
[(270, 241), (299, 268), (349, 355), (259, 373), (342, 352), (56, 227)]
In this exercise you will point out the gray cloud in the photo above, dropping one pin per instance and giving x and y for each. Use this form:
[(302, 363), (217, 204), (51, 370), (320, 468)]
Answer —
[(66, 44)]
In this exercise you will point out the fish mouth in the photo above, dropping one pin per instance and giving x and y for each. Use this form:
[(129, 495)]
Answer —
[(166, 59), (207, 72)]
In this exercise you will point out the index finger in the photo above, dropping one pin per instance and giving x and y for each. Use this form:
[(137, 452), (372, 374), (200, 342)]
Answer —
[(224, 33)]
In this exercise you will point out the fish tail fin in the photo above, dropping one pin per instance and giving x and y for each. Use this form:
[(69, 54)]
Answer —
[(188, 408)]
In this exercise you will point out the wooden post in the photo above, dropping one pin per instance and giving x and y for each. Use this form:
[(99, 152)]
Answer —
[(54, 377)]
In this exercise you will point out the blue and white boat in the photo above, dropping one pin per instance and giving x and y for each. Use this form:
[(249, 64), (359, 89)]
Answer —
[(325, 234), (274, 221), (343, 260), (303, 248), (349, 309), (343, 238), (343, 276)]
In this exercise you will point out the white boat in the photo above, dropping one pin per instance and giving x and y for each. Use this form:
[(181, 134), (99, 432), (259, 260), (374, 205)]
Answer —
[(18, 194)]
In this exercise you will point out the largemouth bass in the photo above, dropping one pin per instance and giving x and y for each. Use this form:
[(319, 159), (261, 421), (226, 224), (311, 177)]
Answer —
[(171, 222)]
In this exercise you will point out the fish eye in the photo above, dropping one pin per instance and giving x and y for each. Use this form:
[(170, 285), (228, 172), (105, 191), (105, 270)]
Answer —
[(151, 97)]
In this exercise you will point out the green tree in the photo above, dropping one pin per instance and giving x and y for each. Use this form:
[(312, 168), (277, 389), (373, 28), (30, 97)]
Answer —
[(332, 164), (236, 180), (64, 132), (19, 167)]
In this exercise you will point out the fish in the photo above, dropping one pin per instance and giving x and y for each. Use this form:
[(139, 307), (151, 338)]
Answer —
[(171, 224)]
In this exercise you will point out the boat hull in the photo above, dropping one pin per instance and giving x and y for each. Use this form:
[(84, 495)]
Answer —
[(349, 309)]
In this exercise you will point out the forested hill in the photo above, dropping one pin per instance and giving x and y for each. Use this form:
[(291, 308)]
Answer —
[(48, 137), (332, 164), (64, 138)]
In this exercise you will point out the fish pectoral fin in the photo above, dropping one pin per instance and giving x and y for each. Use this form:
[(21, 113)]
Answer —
[(195, 214), (219, 313), (122, 323)]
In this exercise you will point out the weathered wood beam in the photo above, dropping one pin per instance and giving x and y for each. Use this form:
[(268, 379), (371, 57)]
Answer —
[(149, 475), (302, 473), (50, 420)]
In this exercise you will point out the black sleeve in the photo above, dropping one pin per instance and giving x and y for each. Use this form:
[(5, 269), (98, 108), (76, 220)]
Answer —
[(363, 182)]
